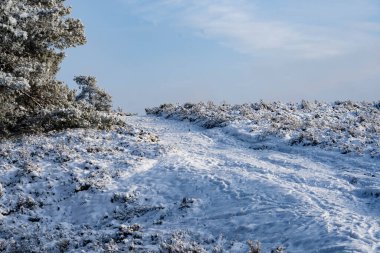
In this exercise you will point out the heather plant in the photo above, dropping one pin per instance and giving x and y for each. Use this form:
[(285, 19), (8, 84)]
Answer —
[(345, 126), (254, 247)]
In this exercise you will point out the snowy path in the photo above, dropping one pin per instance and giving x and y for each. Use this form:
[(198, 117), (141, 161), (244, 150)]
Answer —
[(212, 184)]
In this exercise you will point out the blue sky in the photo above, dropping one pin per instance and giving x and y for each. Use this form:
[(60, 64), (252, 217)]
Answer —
[(147, 52)]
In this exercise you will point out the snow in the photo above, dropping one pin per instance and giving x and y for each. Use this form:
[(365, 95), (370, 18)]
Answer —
[(347, 127), (170, 185), (16, 83)]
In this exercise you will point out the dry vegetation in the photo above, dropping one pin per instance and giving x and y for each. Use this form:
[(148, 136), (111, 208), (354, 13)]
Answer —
[(348, 127)]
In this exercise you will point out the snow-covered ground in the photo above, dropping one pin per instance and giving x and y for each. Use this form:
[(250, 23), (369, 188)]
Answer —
[(165, 185)]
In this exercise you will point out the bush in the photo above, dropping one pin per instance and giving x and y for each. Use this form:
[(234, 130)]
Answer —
[(344, 126)]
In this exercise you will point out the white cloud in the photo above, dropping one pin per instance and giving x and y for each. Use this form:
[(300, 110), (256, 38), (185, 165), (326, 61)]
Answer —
[(239, 24)]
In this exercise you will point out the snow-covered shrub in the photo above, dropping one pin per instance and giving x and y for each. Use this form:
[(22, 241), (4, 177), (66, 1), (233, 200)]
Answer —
[(33, 37), (254, 247), (180, 242), (60, 119), (345, 126), (278, 249), (207, 115)]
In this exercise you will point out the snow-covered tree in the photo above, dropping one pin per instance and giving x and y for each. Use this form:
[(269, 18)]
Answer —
[(92, 95), (33, 36)]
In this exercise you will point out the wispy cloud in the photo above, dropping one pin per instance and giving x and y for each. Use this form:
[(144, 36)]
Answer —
[(241, 24)]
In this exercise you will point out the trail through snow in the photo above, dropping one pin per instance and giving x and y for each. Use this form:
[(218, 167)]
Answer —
[(304, 199), (168, 186)]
